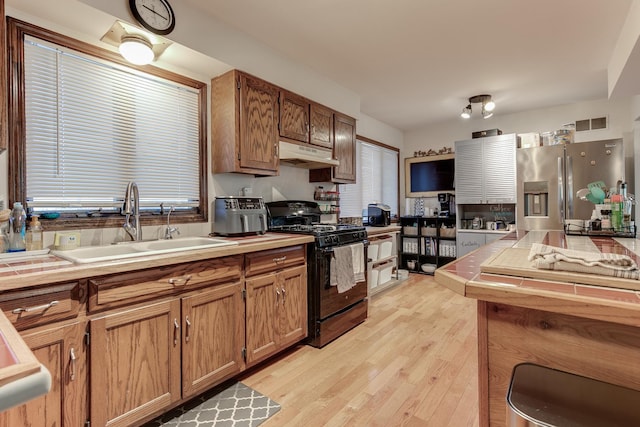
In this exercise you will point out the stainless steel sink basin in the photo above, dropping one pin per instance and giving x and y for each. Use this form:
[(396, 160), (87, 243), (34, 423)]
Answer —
[(135, 249)]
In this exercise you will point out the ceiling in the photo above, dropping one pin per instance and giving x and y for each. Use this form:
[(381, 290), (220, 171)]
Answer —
[(415, 63)]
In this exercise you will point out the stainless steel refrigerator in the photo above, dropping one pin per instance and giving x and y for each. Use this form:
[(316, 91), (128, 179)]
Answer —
[(550, 176)]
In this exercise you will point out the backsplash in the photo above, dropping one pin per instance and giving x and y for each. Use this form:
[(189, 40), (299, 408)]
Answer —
[(497, 212)]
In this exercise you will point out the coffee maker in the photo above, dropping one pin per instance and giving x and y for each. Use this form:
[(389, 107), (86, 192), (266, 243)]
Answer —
[(447, 204)]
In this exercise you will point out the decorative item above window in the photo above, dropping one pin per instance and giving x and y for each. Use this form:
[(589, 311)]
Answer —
[(432, 152)]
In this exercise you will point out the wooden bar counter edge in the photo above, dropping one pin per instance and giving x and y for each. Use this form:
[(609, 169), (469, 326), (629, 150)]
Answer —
[(588, 330)]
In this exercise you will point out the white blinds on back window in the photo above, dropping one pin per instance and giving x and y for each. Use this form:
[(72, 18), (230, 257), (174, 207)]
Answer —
[(376, 181), (92, 126)]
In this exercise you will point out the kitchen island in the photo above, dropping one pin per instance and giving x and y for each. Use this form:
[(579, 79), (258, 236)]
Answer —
[(591, 330)]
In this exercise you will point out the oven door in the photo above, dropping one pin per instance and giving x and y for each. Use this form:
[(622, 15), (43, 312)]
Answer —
[(331, 301)]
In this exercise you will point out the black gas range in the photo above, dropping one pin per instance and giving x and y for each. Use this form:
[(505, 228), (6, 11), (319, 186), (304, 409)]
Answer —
[(331, 313), (327, 235)]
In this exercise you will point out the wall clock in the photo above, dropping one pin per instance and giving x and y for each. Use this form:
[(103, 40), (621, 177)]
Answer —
[(154, 15)]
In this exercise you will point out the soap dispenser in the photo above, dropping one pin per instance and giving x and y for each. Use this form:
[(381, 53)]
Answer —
[(34, 235)]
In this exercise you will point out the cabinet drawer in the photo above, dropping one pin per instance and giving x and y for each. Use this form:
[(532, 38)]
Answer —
[(142, 285), (37, 306), (274, 259)]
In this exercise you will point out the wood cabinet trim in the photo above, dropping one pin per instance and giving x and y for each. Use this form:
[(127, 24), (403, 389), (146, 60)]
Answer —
[(274, 259), (145, 285), (32, 307)]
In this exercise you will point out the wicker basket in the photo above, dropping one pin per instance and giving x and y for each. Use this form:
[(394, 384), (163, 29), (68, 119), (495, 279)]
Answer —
[(429, 231), (448, 232)]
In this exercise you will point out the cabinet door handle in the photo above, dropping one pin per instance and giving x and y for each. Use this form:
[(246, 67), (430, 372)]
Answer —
[(280, 260), (35, 308), (176, 328), (277, 295), (186, 334), (180, 281), (284, 296), (72, 360)]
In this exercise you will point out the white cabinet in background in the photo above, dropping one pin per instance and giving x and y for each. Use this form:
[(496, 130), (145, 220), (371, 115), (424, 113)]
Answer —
[(468, 241), (382, 262), (485, 170)]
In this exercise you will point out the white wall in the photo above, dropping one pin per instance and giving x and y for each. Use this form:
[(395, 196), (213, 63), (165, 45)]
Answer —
[(204, 48), (619, 113)]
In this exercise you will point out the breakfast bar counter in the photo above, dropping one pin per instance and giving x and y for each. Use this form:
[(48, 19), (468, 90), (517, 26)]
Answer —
[(592, 330)]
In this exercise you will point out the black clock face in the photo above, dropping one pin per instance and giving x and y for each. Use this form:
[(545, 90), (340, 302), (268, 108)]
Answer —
[(154, 15)]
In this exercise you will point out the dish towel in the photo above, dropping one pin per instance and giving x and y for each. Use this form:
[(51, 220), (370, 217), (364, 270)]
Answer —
[(546, 257), (357, 255), (347, 266)]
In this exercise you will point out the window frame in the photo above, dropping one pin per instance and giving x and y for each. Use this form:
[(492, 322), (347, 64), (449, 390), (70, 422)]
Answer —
[(16, 144), (390, 148)]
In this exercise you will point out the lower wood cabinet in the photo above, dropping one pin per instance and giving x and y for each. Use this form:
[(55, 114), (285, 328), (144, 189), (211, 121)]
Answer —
[(135, 363), (213, 337), (276, 312), (155, 355), (62, 350), (156, 337)]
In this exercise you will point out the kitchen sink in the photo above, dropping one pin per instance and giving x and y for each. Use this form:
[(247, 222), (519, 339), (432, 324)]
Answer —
[(135, 249), (184, 243)]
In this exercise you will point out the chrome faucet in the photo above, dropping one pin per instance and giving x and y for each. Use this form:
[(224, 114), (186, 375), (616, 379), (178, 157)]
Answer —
[(134, 230), (168, 233)]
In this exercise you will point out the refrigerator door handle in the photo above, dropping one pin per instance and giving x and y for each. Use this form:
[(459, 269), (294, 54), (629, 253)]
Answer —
[(560, 189), (570, 186)]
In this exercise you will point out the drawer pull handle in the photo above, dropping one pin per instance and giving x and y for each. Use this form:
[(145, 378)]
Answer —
[(280, 260), (72, 356), (176, 328), (35, 308), (180, 281), (186, 336)]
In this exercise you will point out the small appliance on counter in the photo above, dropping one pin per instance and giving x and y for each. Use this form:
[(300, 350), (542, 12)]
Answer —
[(239, 216), (379, 215), (447, 204)]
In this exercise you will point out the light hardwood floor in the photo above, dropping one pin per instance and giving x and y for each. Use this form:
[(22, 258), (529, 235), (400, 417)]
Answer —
[(413, 362)]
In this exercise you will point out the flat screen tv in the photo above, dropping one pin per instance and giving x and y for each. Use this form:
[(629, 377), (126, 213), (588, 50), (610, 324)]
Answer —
[(427, 176)]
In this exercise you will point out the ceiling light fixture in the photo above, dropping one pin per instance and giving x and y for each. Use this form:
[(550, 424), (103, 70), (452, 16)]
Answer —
[(136, 49), (123, 36), (466, 112), (487, 106)]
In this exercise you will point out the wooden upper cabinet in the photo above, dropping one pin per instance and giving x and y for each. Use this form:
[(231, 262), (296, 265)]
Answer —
[(244, 124), (294, 117), (344, 150), (321, 126)]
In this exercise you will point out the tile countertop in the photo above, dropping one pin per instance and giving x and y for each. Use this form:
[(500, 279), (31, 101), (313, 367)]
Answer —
[(49, 268), (601, 302), (21, 375)]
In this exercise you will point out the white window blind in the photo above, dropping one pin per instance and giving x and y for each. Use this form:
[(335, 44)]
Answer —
[(92, 126), (376, 181)]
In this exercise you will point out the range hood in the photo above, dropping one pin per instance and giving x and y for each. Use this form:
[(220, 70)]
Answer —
[(303, 156)]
